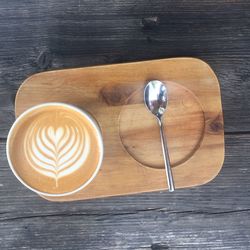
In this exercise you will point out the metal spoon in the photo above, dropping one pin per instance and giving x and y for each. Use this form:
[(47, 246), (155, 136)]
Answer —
[(156, 100)]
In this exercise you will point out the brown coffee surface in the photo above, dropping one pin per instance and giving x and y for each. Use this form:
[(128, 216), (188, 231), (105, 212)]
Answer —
[(54, 149)]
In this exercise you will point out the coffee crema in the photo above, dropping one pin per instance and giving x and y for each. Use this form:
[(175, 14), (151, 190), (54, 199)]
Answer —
[(55, 149)]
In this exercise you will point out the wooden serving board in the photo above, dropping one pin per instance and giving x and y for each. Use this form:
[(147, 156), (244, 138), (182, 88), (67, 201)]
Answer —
[(114, 95)]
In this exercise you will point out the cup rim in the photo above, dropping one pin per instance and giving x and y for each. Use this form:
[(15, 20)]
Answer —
[(88, 116)]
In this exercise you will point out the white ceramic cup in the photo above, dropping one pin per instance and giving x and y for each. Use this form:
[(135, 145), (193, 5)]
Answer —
[(86, 115)]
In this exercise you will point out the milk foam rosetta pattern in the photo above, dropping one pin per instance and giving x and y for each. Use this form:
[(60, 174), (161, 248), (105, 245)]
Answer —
[(56, 145)]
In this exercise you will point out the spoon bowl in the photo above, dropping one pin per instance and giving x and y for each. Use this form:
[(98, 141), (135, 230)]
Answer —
[(156, 97)]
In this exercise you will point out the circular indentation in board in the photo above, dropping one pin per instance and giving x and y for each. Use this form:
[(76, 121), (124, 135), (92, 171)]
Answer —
[(183, 124)]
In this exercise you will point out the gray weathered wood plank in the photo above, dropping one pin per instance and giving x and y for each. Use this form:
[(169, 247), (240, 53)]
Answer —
[(212, 216), (44, 35)]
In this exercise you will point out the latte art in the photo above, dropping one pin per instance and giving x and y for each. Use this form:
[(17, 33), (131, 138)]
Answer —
[(55, 148)]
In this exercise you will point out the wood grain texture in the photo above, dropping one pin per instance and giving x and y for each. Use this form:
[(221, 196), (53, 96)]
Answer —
[(213, 216), (44, 35), (113, 94), (184, 125), (41, 35)]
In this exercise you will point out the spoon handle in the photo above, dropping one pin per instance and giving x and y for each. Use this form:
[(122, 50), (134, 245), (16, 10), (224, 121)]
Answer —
[(169, 175)]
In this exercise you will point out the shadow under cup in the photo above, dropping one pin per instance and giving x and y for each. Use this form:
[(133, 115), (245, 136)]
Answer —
[(55, 149)]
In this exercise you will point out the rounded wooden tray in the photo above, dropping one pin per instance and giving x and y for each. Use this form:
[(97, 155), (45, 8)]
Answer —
[(113, 94)]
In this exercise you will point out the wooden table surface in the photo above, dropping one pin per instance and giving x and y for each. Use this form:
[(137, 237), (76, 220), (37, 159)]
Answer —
[(43, 35)]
